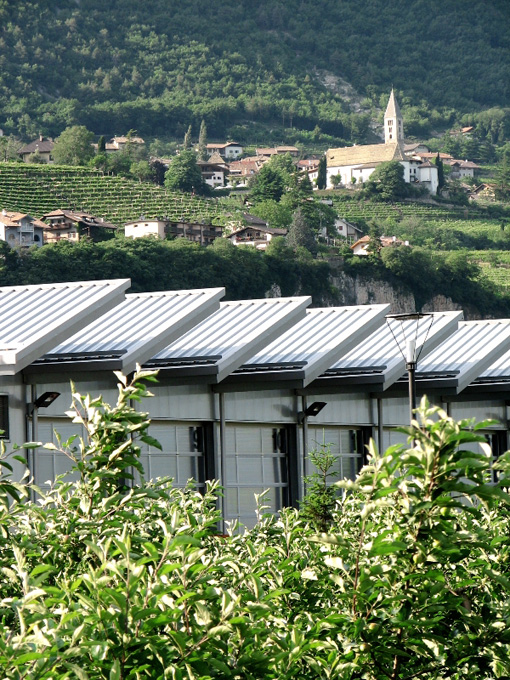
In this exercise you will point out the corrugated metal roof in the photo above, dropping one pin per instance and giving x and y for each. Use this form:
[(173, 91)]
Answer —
[(380, 357), (232, 334), (316, 341), (499, 370), (139, 326), (468, 352), (34, 318)]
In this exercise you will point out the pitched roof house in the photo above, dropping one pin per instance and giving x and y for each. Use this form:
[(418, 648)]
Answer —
[(20, 229), (362, 245), (42, 146), (72, 225), (226, 150)]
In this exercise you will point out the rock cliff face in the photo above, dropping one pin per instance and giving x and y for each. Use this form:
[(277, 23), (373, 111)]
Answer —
[(361, 291)]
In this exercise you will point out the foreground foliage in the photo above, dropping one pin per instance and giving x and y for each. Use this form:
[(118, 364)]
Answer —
[(410, 581)]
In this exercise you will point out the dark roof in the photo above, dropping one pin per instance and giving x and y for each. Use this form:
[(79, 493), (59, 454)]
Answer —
[(43, 144), (254, 221)]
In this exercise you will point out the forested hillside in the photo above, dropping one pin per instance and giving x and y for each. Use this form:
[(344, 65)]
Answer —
[(160, 65)]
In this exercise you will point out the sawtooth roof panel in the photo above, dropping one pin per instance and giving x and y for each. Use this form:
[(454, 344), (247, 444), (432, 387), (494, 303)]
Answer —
[(467, 353), (232, 334), (140, 326), (381, 354), (317, 340), (35, 317)]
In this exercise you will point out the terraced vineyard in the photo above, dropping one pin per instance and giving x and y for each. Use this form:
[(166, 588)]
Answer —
[(38, 189), (495, 265), (366, 210)]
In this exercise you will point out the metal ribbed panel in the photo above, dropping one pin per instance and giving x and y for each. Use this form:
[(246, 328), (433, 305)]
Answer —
[(33, 318), (381, 348), (27, 312), (499, 369), (321, 331), (381, 353), (233, 326), (470, 350), (134, 321)]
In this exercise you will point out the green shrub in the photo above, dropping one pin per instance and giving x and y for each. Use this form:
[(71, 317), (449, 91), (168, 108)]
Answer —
[(104, 582)]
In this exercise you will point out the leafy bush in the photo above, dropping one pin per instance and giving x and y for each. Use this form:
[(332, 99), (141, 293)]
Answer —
[(100, 581)]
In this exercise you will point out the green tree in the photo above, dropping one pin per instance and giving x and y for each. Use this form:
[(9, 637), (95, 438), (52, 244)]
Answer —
[(184, 174), (268, 184), (186, 144), (101, 145), (142, 171), (202, 142), (440, 173), (74, 146), (322, 173), (502, 191), (387, 181), (300, 234), (335, 180)]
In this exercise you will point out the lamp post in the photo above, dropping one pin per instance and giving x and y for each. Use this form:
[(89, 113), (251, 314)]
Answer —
[(411, 372), (409, 332)]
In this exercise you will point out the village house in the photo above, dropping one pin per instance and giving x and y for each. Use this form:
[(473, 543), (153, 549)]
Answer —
[(362, 245), (240, 171), (73, 225), (120, 143), (214, 171), (461, 169), (348, 230), (20, 229), (277, 150), (355, 164), (257, 236), (43, 147), (228, 150), (159, 227)]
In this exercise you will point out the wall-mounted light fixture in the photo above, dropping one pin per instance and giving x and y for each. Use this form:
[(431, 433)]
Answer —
[(312, 410), (45, 400)]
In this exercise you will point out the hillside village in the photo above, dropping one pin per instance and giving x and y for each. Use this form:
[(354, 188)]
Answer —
[(227, 167)]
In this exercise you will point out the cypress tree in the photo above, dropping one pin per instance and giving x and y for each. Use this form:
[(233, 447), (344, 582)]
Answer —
[(202, 142), (440, 172), (322, 174), (186, 145), (300, 234)]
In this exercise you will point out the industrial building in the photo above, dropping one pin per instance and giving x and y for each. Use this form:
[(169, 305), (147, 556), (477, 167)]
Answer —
[(245, 388)]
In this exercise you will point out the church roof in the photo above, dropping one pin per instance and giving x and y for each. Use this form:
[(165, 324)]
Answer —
[(393, 109), (363, 154)]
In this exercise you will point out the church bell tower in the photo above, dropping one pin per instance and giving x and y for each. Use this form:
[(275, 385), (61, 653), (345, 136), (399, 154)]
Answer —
[(393, 122)]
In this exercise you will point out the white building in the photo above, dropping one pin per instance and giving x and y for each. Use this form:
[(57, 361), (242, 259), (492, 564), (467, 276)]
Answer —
[(228, 150), (355, 164)]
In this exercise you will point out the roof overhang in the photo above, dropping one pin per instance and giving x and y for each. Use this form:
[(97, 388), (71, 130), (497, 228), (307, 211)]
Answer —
[(379, 362), (224, 341), (465, 355), (310, 347), (133, 332), (36, 318)]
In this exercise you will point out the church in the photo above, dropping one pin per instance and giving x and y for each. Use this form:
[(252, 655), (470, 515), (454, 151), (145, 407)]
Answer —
[(355, 164)]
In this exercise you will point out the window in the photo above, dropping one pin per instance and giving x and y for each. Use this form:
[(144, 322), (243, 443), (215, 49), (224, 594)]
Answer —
[(4, 416)]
